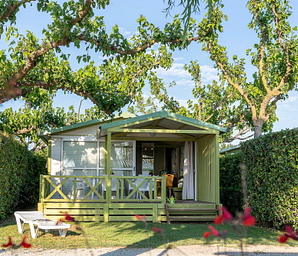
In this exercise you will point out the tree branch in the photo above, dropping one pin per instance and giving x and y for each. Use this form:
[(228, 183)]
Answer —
[(24, 130), (286, 52), (41, 146), (261, 71), (13, 7), (264, 38), (218, 105), (143, 47), (245, 130), (46, 47), (229, 79)]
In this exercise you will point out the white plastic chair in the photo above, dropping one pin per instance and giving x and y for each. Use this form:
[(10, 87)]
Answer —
[(143, 188), (80, 187), (104, 186)]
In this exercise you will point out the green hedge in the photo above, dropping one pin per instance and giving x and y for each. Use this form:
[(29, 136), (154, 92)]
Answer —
[(19, 175), (272, 177), (30, 189), (13, 163), (230, 182)]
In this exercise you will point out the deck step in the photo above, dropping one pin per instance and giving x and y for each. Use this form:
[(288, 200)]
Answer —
[(190, 218), (193, 209)]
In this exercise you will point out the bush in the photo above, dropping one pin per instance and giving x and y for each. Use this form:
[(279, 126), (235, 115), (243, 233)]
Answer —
[(272, 177), (19, 175), (231, 195), (13, 163), (30, 189)]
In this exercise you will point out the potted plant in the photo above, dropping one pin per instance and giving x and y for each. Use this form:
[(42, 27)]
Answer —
[(178, 190), (163, 172)]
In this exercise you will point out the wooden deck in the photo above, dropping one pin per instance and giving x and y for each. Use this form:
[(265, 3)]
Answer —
[(123, 205), (155, 212)]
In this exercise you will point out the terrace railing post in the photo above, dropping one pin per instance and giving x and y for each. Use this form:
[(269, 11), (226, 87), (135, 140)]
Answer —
[(163, 189), (109, 187), (75, 188), (41, 193), (41, 187)]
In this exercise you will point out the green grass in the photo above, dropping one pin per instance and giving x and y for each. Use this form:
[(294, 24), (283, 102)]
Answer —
[(132, 234)]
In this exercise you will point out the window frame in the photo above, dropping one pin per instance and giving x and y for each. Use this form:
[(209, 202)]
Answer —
[(98, 141)]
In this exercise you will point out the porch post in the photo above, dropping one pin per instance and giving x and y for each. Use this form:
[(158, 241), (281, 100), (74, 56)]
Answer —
[(49, 155), (108, 168), (217, 175)]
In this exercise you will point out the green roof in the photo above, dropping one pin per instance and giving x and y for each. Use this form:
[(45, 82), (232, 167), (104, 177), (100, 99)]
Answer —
[(45, 134), (127, 119), (163, 114)]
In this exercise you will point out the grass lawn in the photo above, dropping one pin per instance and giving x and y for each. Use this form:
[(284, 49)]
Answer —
[(132, 234)]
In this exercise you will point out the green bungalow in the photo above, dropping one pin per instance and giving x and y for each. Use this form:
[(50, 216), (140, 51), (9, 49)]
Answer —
[(111, 170)]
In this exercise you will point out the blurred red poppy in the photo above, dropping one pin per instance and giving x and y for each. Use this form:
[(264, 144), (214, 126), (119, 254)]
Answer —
[(214, 231), (248, 220), (9, 243), (207, 234), (157, 230), (24, 244)]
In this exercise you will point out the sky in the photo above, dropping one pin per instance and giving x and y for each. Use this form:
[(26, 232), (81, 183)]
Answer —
[(236, 37)]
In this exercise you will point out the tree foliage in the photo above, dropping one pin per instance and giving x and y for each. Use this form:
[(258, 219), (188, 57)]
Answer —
[(29, 63), (37, 115), (214, 103), (237, 101), (275, 57)]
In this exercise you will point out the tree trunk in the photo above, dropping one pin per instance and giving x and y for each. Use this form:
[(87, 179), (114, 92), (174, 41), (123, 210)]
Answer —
[(258, 125)]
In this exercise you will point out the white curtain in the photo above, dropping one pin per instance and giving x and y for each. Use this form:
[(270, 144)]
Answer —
[(188, 176)]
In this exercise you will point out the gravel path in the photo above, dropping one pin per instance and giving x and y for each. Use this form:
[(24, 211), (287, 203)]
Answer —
[(199, 250)]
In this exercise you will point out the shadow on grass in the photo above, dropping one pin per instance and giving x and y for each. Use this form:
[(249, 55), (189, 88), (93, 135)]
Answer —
[(227, 253), (132, 235), (181, 234)]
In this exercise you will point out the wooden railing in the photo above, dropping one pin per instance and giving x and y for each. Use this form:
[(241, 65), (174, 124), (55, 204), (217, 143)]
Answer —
[(102, 189)]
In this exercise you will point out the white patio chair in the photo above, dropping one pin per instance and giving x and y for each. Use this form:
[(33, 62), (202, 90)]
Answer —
[(36, 218), (143, 188), (104, 186)]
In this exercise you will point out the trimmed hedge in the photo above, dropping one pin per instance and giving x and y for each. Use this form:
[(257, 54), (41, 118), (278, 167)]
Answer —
[(13, 163), (272, 177), (19, 175), (30, 189), (231, 195)]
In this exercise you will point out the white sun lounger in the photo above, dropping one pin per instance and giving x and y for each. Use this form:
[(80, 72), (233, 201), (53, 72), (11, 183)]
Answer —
[(36, 218)]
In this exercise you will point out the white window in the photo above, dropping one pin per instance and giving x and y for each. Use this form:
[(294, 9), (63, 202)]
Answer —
[(122, 155), (79, 154), (87, 158)]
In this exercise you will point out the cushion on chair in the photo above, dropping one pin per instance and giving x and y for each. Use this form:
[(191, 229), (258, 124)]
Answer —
[(169, 178)]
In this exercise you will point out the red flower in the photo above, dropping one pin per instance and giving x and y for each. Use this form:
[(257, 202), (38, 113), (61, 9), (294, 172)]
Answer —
[(157, 230), (225, 215), (219, 220), (290, 233), (24, 244), (207, 234), (248, 220), (68, 217), (214, 231), (9, 243), (141, 218), (283, 238)]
